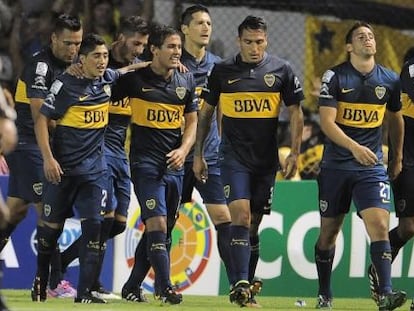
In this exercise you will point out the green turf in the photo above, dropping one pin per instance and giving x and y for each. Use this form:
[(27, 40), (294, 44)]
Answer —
[(19, 300)]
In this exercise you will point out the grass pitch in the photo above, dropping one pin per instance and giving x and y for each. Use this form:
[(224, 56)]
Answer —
[(19, 300)]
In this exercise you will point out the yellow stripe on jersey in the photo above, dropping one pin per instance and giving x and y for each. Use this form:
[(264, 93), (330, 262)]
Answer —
[(156, 115), (250, 105), (86, 117), (21, 94), (360, 115), (198, 93), (407, 106), (121, 107)]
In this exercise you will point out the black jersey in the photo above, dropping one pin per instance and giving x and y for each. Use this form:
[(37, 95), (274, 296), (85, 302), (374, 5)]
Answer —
[(250, 96), (35, 81), (80, 107), (361, 102), (200, 69), (407, 87), (158, 107)]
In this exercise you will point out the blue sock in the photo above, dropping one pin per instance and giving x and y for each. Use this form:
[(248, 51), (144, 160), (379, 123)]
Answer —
[(223, 245), (324, 260), (47, 240), (240, 252), (254, 255), (159, 258), (381, 259), (141, 265), (88, 255)]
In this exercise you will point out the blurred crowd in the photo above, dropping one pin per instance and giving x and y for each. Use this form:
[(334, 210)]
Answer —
[(25, 26)]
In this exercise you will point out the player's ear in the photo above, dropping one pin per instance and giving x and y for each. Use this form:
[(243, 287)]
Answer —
[(82, 58), (53, 37), (184, 29), (349, 47)]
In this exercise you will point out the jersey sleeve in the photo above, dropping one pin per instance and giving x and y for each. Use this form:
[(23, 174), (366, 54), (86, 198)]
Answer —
[(329, 89), (211, 93), (292, 93), (38, 78), (407, 79), (57, 101), (192, 103), (394, 103)]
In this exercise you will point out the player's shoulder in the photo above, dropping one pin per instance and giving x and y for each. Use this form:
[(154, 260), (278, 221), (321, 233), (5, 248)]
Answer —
[(386, 73), (212, 58), (42, 63)]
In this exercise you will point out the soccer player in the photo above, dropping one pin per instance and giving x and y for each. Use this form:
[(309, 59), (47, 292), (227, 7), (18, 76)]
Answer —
[(130, 44), (250, 88), (402, 185), (8, 140), (160, 99), (354, 98), (75, 171), (25, 162), (196, 27)]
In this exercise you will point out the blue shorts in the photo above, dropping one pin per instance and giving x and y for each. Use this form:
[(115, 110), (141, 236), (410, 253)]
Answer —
[(119, 186), (403, 189), (211, 192), (367, 188), (240, 183), (26, 175), (157, 195), (87, 193)]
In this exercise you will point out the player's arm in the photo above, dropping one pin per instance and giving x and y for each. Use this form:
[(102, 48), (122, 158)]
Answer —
[(51, 167), (203, 128), (35, 104), (296, 129), (133, 67), (396, 138), (177, 156), (361, 153), (395, 123)]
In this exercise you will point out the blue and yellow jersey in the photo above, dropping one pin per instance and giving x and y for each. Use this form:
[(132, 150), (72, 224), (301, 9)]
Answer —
[(250, 96), (119, 119), (200, 71), (361, 102), (34, 82), (407, 98), (158, 107), (80, 108)]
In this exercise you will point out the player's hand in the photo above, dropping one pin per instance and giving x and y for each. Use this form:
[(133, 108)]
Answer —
[(364, 155), (8, 135), (4, 214), (290, 166), (76, 70), (394, 168), (200, 169), (182, 68), (175, 159), (52, 170)]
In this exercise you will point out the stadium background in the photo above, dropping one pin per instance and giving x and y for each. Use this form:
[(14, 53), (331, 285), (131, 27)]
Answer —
[(310, 34)]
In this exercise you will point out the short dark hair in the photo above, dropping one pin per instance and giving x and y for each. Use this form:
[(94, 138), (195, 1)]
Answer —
[(358, 24), (90, 42), (187, 15), (252, 22), (159, 33), (409, 54), (66, 21), (133, 24)]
